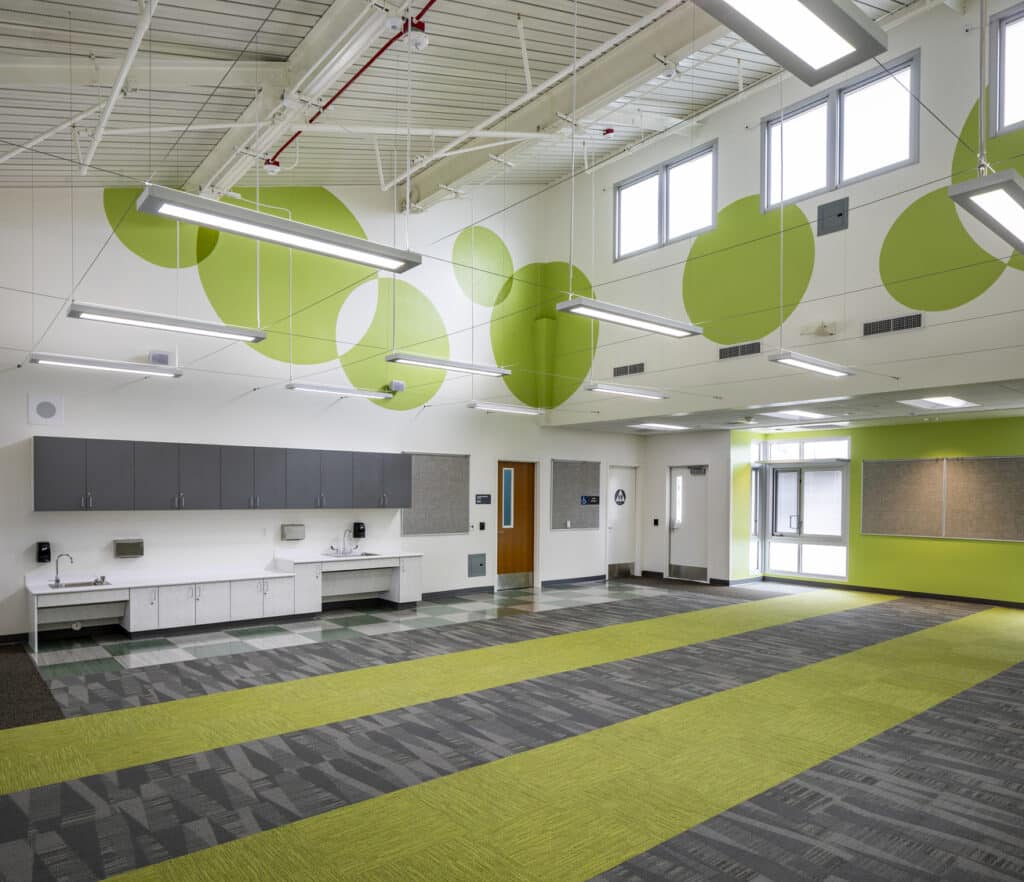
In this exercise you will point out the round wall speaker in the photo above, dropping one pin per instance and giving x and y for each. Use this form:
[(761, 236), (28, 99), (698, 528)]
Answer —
[(45, 410)]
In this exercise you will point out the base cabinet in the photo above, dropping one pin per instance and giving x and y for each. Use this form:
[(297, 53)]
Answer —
[(143, 609), (262, 598), (177, 606), (308, 588), (213, 603), (278, 597)]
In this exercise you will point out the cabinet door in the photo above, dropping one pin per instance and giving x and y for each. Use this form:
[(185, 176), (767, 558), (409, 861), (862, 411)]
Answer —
[(336, 478), (177, 606), (236, 477), (367, 480), (303, 481), (58, 467), (308, 594), (143, 609), (278, 597), (397, 480), (156, 476), (270, 477), (247, 600), (108, 475), (199, 476), (213, 603)]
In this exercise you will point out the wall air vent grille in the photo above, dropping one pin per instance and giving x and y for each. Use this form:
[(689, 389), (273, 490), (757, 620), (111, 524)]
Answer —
[(887, 326), (742, 349), (625, 370)]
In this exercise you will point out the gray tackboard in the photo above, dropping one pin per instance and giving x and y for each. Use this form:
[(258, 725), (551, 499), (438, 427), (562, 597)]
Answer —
[(902, 498), (964, 498), (440, 495), (570, 481), (985, 498)]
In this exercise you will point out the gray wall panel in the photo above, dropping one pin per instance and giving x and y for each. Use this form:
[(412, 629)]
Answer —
[(902, 498), (985, 498), (571, 480), (440, 495)]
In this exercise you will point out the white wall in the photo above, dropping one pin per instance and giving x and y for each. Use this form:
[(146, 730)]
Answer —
[(685, 449)]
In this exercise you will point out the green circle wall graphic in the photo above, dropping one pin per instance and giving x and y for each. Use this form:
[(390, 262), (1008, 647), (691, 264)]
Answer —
[(154, 238), (319, 284), (419, 328), (483, 266), (731, 279), (550, 352), (930, 262)]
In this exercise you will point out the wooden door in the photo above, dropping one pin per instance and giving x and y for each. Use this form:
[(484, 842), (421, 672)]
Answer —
[(515, 524)]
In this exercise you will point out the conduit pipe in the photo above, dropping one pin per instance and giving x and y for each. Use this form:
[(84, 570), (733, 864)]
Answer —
[(49, 133)]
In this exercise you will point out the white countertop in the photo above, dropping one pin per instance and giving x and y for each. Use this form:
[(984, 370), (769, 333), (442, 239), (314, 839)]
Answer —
[(120, 577), (303, 557)]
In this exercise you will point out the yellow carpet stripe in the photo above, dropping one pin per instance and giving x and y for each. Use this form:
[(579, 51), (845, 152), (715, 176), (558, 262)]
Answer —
[(578, 807), (32, 756)]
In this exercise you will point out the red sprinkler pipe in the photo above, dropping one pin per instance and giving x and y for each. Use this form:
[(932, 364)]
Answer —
[(411, 24)]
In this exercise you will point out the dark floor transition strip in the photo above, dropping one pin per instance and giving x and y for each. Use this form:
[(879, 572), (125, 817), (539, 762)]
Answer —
[(24, 696)]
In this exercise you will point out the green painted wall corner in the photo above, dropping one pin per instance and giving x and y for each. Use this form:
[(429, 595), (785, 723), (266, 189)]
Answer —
[(551, 352), (731, 279), (418, 328)]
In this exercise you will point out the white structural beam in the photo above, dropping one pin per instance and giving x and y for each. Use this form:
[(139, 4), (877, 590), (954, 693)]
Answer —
[(604, 75), (145, 17), (167, 73), (49, 133), (222, 166)]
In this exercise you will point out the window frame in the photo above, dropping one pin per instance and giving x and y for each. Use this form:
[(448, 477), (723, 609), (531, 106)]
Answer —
[(997, 33), (661, 170), (833, 98)]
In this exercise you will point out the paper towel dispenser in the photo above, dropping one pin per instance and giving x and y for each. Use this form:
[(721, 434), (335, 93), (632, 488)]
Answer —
[(128, 548)]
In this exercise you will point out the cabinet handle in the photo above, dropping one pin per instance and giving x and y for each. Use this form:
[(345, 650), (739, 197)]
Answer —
[(250, 502), (83, 502), (257, 502), (198, 592), (89, 497), (323, 500), (182, 495)]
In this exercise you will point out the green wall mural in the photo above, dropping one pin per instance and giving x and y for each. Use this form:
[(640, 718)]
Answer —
[(483, 266), (731, 280), (550, 351), (318, 285), (155, 239), (928, 260), (418, 328)]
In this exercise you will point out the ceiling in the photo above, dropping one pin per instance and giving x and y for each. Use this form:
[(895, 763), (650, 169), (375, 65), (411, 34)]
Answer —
[(202, 63)]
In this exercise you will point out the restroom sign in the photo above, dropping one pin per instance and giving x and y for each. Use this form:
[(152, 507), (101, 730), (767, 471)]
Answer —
[(620, 497)]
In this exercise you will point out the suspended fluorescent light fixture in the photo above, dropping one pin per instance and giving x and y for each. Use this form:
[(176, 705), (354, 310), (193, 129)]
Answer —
[(812, 39), (103, 364), (138, 318), (339, 391), (464, 367), (495, 407), (807, 363), (997, 200), (164, 202), (628, 391), (632, 318), (659, 427)]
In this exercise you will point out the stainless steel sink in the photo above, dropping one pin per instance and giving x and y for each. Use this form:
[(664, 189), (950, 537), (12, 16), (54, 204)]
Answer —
[(92, 583)]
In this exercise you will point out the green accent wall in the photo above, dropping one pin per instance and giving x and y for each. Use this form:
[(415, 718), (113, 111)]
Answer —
[(731, 285), (739, 519), (958, 567)]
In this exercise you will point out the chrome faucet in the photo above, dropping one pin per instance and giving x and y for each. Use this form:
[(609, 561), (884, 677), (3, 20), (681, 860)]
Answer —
[(56, 564), (345, 547)]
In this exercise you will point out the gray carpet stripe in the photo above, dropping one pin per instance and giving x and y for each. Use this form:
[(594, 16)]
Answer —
[(97, 826)]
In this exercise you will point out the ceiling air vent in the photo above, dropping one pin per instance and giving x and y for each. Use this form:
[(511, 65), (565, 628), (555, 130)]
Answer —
[(624, 370), (887, 326), (742, 349)]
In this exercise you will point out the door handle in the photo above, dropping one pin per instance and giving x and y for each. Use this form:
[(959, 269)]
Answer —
[(795, 526)]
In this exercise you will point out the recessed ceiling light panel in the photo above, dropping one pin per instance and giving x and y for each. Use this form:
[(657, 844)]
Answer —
[(808, 363), (659, 427), (939, 402), (796, 415), (813, 39)]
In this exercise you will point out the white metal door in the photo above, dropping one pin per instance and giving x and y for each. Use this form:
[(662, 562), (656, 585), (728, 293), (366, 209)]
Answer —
[(621, 520), (688, 523)]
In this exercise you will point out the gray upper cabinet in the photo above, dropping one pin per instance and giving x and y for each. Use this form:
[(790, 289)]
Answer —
[(397, 480), (199, 476), (58, 466), (108, 475), (236, 477), (303, 482), (336, 478), (270, 477), (367, 480), (156, 475)]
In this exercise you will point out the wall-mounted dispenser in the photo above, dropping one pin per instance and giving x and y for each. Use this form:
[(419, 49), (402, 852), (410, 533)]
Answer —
[(293, 532), (128, 548), (358, 530), (42, 552)]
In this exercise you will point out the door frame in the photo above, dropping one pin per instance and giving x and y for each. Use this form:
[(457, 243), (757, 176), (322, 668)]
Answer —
[(668, 520), (536, 520), (636, 517)]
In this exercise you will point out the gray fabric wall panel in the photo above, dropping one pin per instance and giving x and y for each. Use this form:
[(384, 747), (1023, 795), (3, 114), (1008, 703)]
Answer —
[(902, 498), (440, 495), (985, 498), (571, 480)]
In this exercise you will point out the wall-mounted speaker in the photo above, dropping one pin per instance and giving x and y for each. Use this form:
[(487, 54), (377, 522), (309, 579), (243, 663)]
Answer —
[(45, 410)]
